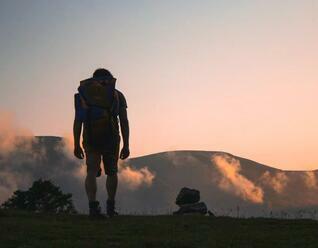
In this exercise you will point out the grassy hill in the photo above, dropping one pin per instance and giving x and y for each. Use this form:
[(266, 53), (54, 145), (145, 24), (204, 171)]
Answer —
[(39, 230), (151, 183)]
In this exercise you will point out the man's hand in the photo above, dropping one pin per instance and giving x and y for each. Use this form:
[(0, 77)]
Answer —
[(78, 152), (124, 153)]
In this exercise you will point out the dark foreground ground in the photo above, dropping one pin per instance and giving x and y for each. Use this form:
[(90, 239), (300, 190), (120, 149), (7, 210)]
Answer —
[(38, 230)]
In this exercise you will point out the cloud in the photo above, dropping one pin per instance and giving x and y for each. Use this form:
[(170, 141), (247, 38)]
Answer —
[(232, 181), (25, 158), (133, 178), (11, 135), (277, 182), (38, 159), (310, 180), (19, 150)]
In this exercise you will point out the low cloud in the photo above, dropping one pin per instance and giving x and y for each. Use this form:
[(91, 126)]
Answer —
[(310, 180), (25, 158), (133, 178), (277, 181), (232, 181), (16, 147), (67, 146), (12, 136)]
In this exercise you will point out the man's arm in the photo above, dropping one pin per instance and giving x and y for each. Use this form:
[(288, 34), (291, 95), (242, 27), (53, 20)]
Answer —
[(124, 127), (77, 130)]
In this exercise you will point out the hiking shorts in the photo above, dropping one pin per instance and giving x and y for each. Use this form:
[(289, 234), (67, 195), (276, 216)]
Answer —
[(94, 158)]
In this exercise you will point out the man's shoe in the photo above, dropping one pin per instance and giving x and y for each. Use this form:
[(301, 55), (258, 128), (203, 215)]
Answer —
[(95, 210), (111, 208)]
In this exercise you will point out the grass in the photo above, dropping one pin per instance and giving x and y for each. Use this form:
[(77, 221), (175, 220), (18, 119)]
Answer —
[(19, 229)]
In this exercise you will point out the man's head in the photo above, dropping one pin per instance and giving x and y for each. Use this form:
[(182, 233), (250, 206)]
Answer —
[(102, 73)]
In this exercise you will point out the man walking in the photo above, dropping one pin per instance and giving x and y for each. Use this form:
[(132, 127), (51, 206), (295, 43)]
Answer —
[(97, 108)]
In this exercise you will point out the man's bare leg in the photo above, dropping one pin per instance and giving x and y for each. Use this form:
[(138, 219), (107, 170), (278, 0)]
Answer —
[(93, 160), (91, 189), (91, 185), (111, 186)]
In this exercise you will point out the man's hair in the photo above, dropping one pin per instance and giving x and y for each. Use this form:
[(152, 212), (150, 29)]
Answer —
[(101, 72)]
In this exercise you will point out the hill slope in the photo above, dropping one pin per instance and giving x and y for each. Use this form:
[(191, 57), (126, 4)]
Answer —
[(229, 185), (227, 181)]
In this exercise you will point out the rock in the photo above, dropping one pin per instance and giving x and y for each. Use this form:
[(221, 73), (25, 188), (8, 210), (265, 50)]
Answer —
[(210, 213), (195, 208), (188, 196), (188, 201)]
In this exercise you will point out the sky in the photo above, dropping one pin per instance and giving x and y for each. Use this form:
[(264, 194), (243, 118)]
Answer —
[(234, 75)]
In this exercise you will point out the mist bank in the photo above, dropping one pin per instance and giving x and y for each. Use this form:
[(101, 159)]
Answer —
[(230, 185)]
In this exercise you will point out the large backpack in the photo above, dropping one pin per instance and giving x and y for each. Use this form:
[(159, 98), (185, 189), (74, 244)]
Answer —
[(98, 97)]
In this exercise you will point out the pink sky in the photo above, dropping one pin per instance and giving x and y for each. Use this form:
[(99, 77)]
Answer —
[(237, 76)]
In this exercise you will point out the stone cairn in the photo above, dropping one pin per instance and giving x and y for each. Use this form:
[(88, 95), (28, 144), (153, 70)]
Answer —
[(188, 201)]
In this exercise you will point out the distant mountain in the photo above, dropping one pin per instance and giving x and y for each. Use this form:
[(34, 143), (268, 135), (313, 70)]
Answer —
[(253, 188), (230, 185)]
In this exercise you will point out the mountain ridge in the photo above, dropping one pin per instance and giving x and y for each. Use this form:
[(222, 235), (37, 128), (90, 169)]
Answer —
[(191, 151), (151, 182)]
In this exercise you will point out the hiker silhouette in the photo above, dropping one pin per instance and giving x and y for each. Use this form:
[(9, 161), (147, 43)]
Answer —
[(98, 104)]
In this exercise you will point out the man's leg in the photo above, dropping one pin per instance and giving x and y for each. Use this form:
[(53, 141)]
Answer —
[(111, 186), (93, 160), (91, 185), (110, 168)]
